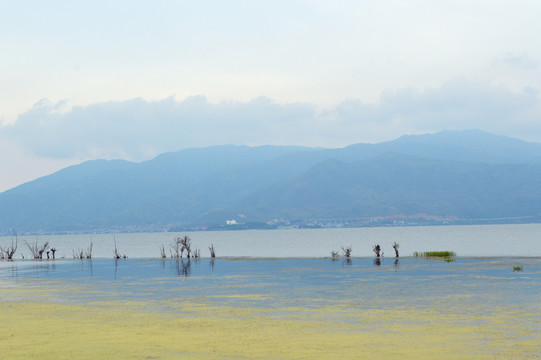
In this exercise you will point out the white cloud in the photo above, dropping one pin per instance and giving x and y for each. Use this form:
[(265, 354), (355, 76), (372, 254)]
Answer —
[(50, 136), (291, 51), (523, 61), (138, 129)]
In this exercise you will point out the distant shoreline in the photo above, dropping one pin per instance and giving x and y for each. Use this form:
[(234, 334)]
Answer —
[(331, 224)]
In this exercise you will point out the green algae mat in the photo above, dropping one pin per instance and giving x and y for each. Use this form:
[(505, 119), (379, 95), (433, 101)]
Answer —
[(271, 309)]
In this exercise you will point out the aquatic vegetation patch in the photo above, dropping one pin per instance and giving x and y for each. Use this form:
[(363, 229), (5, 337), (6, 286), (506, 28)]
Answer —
[(114, 330), (518, 268), (286, 313), (434, 254), (447, 256)]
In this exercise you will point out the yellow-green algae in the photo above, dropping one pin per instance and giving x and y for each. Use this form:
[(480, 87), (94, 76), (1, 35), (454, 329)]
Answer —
[(45, 328)]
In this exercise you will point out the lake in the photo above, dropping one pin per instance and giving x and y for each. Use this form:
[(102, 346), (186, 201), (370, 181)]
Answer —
[(482, 240), (274, 295)]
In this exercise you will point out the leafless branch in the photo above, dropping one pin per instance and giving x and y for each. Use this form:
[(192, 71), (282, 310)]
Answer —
[(36, 249)]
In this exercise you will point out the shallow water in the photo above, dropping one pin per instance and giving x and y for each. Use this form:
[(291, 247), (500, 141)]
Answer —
[(271, 308), (387, 282)]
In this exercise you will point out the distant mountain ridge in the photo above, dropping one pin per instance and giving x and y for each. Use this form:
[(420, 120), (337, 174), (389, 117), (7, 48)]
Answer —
[(447, 175)]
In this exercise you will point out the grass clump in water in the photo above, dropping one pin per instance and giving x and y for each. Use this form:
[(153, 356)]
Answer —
[(518, 268), (448, 256)]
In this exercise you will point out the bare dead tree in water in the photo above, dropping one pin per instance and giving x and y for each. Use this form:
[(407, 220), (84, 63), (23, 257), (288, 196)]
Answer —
[(117, 254), (377, 250), (346, 251), (176, 248), (88, 253), (186, 245), (79, 254), (162, 252), (395, 247), (196, 253), (82, 254), (36, 249), (53, 251), (212, 251), (10, 250), (44, 247)]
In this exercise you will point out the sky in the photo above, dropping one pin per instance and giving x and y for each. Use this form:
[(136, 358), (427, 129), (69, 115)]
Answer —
[(82, 80)]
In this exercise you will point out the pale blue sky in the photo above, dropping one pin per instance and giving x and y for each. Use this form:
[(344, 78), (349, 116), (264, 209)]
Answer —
[(130, 79)]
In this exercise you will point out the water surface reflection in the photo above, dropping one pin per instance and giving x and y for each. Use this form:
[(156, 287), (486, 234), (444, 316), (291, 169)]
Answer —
[(407, 281)]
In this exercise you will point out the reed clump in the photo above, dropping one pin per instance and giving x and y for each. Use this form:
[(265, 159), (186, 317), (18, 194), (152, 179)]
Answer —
[(434, 254), (448, 256), (518, 268)]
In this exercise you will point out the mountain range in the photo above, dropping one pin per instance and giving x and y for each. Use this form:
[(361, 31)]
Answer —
[(446, 177)]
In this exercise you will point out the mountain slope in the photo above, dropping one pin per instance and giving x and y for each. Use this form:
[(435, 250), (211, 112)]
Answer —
[(467, 174), (394, 184)]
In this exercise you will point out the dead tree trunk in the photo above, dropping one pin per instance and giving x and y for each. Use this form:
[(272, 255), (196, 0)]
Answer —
[(395, 247), (10, 251), (186, 245), (37, 250), (377, 250)]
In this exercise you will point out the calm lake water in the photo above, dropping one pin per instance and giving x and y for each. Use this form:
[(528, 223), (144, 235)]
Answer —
[(388, 282), (469, 241)]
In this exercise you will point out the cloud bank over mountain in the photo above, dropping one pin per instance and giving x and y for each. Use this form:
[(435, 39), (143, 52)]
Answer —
[(138, 129)]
